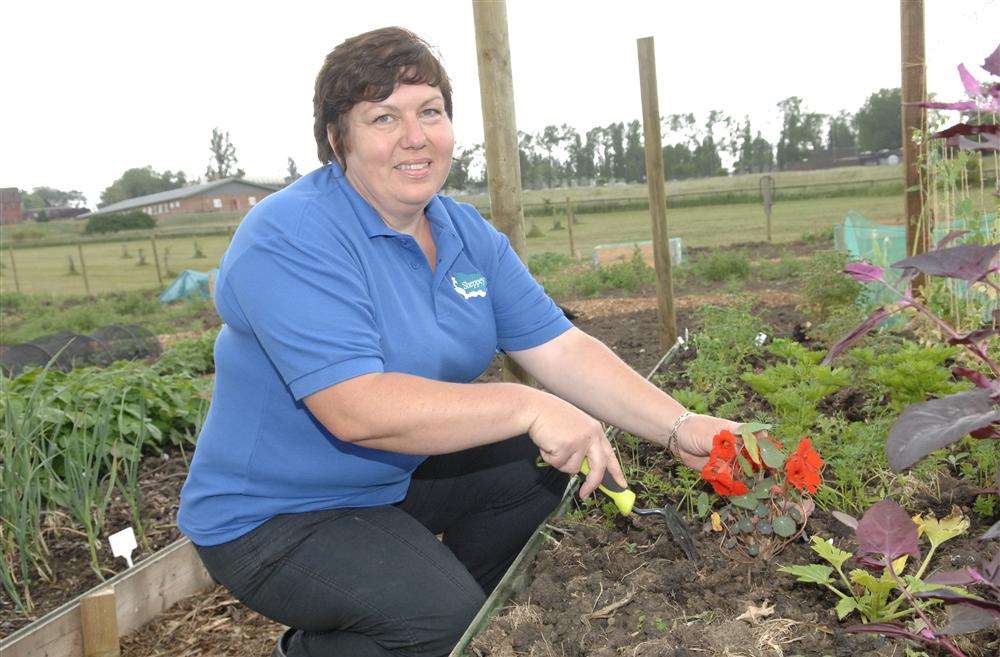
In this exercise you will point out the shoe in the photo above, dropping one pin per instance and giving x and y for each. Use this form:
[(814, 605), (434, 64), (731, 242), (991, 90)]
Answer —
[(281, 649)]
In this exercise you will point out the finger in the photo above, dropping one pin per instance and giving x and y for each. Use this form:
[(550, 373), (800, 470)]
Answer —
[(613, 466), (598, 463)]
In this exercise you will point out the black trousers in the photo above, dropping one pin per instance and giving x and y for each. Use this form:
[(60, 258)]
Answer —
[(376, 581)]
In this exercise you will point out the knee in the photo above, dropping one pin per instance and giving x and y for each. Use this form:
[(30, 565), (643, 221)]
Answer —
[(450, 620)]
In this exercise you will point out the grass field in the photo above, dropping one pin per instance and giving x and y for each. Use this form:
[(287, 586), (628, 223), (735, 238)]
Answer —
[(46, 269)]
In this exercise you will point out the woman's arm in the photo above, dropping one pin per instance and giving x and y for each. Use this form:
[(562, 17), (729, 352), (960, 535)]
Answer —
[(403, 413), (585, 372)]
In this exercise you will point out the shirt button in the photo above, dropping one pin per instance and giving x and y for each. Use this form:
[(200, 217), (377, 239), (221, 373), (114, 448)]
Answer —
[(414, 265)]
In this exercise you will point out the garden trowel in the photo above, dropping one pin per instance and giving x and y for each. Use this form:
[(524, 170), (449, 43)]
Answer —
[(624, 499)]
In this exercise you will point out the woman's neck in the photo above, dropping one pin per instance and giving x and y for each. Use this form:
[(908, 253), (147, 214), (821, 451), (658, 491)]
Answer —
[(403, 220)]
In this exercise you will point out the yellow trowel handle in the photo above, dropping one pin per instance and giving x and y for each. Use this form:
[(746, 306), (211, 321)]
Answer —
[(623, 498)]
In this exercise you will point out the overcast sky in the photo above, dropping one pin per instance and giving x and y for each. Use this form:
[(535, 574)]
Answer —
[(93, 88)]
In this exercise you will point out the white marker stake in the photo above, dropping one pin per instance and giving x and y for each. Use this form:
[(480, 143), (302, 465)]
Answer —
[(122, 544)]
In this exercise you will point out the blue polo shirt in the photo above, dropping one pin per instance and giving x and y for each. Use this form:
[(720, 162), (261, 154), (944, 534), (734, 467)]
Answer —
[(316, 289)]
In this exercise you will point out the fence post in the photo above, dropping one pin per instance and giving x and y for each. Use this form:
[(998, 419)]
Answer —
[(503, 166), (914, 89), (767, 197), (156, 260), (657, 191), (569, 226), (99, 619), (83, 268), (13, 267)]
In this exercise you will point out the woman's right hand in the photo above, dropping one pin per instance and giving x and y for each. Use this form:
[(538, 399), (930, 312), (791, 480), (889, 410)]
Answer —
[(565, 435)]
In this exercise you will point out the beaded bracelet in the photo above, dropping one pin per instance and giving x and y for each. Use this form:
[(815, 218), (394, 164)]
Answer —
[(672, 438)]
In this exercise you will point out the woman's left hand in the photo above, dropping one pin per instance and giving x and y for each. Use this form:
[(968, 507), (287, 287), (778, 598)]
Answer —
[(694, 438)]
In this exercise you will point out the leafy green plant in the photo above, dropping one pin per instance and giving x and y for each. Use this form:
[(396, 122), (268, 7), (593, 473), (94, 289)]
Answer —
[(193, 356), (824, 288), (725, 344), (721, 266), (908, 374), (887, 538), (111, 223), (795, 385)]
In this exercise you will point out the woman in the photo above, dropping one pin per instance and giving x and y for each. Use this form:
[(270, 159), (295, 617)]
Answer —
[(344, 432)]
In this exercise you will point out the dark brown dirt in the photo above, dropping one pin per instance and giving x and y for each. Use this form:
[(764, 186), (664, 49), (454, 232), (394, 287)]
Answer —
[(160, 480), (627, 590)]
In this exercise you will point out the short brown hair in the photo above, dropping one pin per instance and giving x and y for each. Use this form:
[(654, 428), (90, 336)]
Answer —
[(367, 67)]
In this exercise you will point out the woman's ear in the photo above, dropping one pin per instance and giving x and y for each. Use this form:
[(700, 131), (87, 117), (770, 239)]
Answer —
[(332, 140)]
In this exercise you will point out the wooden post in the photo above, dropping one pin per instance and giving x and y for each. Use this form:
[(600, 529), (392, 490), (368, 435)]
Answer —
[(914, 90), (503, 165), (100, 624), (569, 226), (13, 268), (767, 198), (83, 268), (229, 233), (657, 191), (156, 260)]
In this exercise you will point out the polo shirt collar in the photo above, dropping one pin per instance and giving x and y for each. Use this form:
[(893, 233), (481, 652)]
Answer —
[(374, 226)]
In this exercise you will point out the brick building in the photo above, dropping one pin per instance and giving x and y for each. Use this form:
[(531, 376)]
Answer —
[(10, 206), (227, 194)]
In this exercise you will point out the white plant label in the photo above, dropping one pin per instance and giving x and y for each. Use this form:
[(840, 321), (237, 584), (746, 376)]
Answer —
[(122, 544)]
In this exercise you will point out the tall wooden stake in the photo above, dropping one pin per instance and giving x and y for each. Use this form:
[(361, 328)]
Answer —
[(569, 227), (156, 260), (100, 624), (914, 90), (83, 268), (503, 165), (13, 268), (657, 191)]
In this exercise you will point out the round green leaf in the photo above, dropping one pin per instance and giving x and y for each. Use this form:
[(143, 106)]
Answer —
[(783, 526)]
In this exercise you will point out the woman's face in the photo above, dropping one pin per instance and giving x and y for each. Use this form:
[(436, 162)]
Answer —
[(399, 150)]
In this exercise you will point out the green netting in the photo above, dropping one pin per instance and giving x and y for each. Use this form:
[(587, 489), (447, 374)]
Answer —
[(190, 284), (883, 245)]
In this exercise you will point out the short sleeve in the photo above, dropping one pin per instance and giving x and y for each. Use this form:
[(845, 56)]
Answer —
[(310, 310), (525, 315)]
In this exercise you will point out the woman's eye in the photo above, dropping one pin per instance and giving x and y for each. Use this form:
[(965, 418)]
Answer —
[(432, 112), (384, 119)]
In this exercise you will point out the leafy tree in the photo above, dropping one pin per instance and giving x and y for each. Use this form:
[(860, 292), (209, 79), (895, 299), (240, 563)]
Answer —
[(549, 140), (878, 121), (614, 134), (635, 154), (840, 133), (293, 172), (801, 132), (678, 162), (49, 197), (459, 177), (140, 182), (762, 157), (743, 147), (223, 163), (586, 166)]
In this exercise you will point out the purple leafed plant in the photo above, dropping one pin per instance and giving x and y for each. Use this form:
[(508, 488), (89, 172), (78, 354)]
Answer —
[(884, 534), (984, 97), (930, 425)]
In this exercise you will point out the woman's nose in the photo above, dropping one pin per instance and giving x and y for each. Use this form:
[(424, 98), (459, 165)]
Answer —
[(413, 133)]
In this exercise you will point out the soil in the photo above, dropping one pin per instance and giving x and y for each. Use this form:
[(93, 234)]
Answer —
[(628, 590)]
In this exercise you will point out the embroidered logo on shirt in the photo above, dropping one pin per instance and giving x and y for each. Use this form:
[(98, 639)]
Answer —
[(469, 285)]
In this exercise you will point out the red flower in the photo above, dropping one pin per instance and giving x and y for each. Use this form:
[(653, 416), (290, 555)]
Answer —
[(724, 446), (802, 467), (719, 473)]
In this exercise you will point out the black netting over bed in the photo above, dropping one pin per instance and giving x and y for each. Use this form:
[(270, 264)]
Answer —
[(67, 350)]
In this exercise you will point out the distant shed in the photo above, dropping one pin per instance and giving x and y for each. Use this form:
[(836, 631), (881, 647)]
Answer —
[(10, 206), (226, 194)]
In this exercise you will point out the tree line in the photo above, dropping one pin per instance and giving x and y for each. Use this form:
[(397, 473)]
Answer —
[(561, 155)]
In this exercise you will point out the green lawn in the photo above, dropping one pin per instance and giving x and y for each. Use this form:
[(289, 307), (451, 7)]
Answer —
[(715, 224), (45, 269)]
